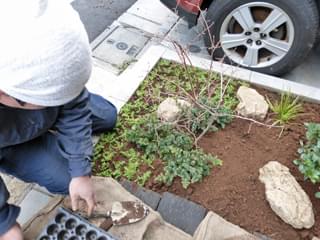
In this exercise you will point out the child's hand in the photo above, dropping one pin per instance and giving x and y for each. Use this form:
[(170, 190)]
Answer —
[(81, 188)]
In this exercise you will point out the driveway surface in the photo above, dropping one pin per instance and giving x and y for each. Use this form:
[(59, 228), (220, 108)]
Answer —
[(97, 15)]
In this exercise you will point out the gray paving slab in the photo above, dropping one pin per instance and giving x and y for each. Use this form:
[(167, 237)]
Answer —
[(150, 28), (120, 47), (190, 39), (261, 236), (42, 190), (150, 198), (32, 204), (152, 10), (97, 15), (181, 213)]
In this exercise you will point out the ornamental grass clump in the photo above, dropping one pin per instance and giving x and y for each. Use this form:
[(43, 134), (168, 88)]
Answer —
[(285, 110)]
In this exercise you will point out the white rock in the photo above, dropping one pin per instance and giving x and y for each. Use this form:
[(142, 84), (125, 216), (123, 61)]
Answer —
[(252, 104), (286, 197), (170, 109)]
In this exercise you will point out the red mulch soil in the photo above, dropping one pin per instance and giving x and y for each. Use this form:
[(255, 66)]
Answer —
[(234, 190)]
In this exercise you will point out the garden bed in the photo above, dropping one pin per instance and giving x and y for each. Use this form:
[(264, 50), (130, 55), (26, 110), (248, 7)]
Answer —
[(232, 188)]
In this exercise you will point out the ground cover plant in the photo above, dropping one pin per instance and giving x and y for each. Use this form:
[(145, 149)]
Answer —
[(309, 161), (211, 155), (141, 138)]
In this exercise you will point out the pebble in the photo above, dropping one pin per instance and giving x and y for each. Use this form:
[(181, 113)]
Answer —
[(190, 190)]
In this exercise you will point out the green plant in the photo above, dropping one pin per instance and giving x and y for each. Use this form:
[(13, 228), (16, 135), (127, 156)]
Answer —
[(209, 117), (174, 148), (287, 109), (118, 169), (141, 180), (309, 161), (140, 138), (190, 166)]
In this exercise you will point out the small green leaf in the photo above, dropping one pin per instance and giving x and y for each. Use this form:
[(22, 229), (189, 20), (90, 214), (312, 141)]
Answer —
[(317, 195)]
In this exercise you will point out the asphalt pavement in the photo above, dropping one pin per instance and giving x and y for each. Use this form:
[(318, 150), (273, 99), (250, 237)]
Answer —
[(97, 15), (309, 71)]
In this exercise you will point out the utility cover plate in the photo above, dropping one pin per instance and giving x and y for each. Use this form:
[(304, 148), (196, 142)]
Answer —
[(120, 47)]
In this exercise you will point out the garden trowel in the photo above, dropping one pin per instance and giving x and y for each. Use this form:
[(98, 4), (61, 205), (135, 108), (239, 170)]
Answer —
[(122, 213)]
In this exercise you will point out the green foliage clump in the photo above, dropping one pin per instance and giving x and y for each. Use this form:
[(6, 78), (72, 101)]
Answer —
[(309, 161), (139, 139), (175, 148), (287, 109), (209, 117)]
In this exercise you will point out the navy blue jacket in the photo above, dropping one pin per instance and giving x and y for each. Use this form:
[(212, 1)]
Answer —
[(72, 126)]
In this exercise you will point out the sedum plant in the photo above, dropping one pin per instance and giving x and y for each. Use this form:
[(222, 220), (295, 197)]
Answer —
[(309, 161)]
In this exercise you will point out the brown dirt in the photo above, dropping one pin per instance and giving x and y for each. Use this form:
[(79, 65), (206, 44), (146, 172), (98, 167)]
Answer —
[(234, 191)]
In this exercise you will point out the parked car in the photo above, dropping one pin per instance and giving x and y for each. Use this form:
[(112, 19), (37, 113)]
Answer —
[(269, 36)]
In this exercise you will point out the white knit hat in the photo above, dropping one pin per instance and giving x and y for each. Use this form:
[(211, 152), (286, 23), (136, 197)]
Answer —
[(45, 56)]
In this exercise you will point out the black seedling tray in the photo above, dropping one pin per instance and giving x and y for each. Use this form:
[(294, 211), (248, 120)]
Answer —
[(69, 226)]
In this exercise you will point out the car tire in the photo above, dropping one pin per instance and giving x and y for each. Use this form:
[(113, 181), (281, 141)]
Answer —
[(297, 34)]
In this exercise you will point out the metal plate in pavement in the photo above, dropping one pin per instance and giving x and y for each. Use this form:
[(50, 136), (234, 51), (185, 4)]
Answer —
[(120, 47)]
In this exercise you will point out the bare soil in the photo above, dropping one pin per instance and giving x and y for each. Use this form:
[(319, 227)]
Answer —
[(234, 190)]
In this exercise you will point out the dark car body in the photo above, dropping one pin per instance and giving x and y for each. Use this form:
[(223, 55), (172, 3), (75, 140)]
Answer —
[(189, 9)]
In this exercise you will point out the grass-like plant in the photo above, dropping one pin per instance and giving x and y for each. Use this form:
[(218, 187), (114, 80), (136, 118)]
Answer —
[(287, 109)]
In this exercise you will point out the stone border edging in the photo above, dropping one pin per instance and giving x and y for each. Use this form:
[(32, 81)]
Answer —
[(134, 75), (266, 81)]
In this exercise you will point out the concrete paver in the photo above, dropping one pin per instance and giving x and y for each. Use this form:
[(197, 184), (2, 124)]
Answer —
[(31, 204), (181, 213), (153, 11), (150, 198), (191, 39), (97, 15), (120, 48)]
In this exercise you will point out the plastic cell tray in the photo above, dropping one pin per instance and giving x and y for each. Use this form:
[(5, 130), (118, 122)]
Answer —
[(69, 226)]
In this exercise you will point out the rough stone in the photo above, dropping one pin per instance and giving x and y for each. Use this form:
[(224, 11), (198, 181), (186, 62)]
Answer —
[(170, 109), (252, 104), (214, 227), (261, 236), (150, 198), (6, 178), (17, 189), (286, 197), (181, 213)]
